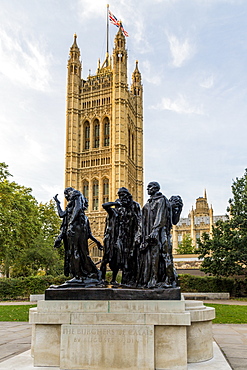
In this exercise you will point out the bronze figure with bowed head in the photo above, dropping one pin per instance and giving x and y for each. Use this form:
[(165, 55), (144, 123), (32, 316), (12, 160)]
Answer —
[(121, 238)]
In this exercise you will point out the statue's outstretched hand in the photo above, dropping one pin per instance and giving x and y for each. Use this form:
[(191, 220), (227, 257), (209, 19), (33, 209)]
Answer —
[(55, 198)]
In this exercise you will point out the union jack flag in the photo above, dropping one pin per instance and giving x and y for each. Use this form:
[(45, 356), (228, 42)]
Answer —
[(117, 23)]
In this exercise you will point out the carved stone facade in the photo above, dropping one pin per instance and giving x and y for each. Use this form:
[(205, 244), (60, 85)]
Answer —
[(104, 131), (199, 221)]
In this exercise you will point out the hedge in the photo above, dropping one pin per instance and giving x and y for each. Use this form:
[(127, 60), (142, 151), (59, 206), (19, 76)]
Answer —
[(237, 287), (21, 288)]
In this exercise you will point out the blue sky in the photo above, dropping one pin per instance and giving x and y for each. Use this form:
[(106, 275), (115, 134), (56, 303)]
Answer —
[(193, 59)]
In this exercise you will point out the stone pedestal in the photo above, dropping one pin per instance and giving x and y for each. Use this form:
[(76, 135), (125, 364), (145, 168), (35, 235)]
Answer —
[(130, 334), (199, 333)]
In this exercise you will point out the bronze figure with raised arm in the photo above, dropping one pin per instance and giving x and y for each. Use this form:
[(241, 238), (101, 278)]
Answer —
[(75, 232)]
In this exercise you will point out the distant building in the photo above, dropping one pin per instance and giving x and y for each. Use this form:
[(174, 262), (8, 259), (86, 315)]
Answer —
[(104, 132), (200, 220)]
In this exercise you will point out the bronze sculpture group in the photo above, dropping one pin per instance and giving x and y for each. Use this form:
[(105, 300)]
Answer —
[(137, 242)]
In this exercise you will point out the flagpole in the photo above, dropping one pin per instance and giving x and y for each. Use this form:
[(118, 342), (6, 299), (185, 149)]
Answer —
[(107, 34)]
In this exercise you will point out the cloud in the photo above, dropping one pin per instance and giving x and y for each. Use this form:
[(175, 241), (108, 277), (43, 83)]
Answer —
[(24, 62), (208, 82), (87, 8), (33, 152), (179, 105), (149, 74), (138, 34), (181, 50)]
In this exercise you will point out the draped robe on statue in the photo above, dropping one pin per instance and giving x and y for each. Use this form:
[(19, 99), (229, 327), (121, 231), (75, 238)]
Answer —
[(154, 252)]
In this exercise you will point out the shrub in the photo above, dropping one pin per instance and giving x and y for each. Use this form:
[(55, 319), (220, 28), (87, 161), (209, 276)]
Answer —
[(21, 288), (237, 287)]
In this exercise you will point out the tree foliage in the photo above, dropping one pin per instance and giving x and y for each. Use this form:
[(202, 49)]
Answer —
[(225, 253), (27, 231), (41, 257), (186, 246)]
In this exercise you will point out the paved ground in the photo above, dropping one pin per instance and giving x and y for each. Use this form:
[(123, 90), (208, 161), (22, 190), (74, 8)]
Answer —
[(232, 340), (15, 338)]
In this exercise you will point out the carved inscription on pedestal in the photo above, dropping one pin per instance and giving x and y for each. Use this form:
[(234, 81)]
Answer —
[(107, 346)]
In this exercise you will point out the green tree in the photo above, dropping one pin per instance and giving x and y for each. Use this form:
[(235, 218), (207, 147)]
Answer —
[(51, 259), (19, 224), (27, 231), (225, 253), (4, 173), (186, 246), (41, 257)]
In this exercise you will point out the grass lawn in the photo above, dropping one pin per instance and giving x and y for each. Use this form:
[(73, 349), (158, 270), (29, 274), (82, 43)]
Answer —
[(229, 314), (14, 312)]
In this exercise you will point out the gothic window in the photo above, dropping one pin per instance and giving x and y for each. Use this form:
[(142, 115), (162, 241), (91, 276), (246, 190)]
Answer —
[(96, 133), (120, 57), (87, 135), (136, 91), (85, 189), (106, 132), (133, 147), (129, 148), (105, 190), (95, 195)]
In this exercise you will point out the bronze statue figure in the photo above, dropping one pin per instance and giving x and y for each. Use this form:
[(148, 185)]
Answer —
[(155, 261), (75, 232), (176, 204), (136, 242), (122, 235)]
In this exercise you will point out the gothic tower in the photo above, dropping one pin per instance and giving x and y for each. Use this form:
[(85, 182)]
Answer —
[(104, 131)]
